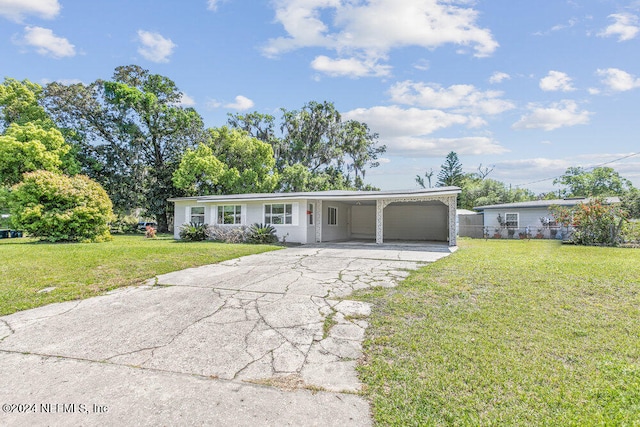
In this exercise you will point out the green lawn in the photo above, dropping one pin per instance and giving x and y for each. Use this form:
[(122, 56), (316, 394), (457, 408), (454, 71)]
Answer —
[(82, 270), (509, 333)]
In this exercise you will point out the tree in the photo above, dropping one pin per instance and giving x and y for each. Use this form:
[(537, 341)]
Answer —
[(230, 162), (311, 136), (29, 147), (56, 207), (359, 147), (631, 202), (601, 181), (451, 171), (133, 133), (199, 172), (316, 138), (19, 103), (428, 175)]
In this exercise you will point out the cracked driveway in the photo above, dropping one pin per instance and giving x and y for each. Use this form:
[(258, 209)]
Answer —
[(266, 339)]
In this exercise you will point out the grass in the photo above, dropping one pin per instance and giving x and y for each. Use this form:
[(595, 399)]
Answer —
[(509, 333), (88, 269)]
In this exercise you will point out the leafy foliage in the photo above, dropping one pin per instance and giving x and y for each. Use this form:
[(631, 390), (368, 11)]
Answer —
[(59, 208), (193, 232), (133, 133), (262, 234), (316, 148), (595, 222), (19, 104), (601, 181), (229, 162), (29, 147)]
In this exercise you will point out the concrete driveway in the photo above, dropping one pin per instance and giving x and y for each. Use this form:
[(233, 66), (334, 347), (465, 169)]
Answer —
[(265, 339)]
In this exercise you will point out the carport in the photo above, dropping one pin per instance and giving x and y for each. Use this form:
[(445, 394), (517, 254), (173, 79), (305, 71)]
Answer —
[(421, 215)]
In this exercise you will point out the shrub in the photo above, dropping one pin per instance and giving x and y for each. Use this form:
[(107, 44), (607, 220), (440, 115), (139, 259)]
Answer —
[(193, 232), (228, 234), (150, 232), (262, 233), (56, 207), (124, 225), (595, 223)]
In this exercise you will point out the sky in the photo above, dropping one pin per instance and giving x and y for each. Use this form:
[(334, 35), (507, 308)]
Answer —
[(526, 88)]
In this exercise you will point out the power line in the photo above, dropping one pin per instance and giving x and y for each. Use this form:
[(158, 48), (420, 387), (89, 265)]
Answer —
[(586, 169)]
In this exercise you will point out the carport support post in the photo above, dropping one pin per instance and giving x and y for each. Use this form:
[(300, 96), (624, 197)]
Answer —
[(380, 204), (318, 219), (452, 202)]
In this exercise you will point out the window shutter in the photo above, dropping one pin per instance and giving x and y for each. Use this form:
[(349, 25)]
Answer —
[(295, 213)]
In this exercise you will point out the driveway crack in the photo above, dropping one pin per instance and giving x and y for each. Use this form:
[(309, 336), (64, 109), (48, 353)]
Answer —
[(11, 331)]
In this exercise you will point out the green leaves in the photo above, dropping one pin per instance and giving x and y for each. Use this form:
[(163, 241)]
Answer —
[(59, 208), (29, 147), (231, 162)]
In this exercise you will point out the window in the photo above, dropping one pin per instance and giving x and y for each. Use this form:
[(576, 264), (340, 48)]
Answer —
[(511, 220), (197, 215), (231, 214), (310, 209), (332, 215), (276, 214)]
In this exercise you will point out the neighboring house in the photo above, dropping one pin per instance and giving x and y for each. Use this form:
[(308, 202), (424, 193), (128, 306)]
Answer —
[(534, 217), (325, 216)]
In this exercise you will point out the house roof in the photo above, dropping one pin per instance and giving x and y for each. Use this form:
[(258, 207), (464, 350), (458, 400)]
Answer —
[(547, 203), (327, 195)]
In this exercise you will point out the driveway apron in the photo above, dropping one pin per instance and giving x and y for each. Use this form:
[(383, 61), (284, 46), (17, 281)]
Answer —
[(268, 339)]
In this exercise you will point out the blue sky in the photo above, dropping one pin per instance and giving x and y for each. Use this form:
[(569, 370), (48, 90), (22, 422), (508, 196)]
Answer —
[(529, 88)]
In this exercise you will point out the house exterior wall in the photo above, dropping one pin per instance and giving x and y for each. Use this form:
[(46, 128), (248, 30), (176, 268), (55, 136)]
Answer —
[(363, 222), (251, 213), (527, 217), (340, 231), (411, 222)]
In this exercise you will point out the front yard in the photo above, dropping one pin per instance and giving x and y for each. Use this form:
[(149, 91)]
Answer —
[(509, 333), (82, 270)]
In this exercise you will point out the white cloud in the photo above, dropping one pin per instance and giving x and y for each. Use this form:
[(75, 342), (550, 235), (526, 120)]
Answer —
[(560, 114), (625, 27), (47, 43), (571, 23), (556, 81), (405, 131), (371, 29), (498, 77), (350, 67), (618, 80), (395, 121), (241, 103), (440, 147), (186, 101), (155, 47), (16, 10), (212, 4), (460, 98), (213, 104)]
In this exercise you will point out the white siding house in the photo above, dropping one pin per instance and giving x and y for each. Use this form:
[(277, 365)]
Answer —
[(325, 216), (522, 217)]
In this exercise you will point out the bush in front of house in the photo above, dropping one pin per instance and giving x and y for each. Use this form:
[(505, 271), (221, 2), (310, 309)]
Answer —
[(193, 232), (228, 234), (262, 234), (56, 207)]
